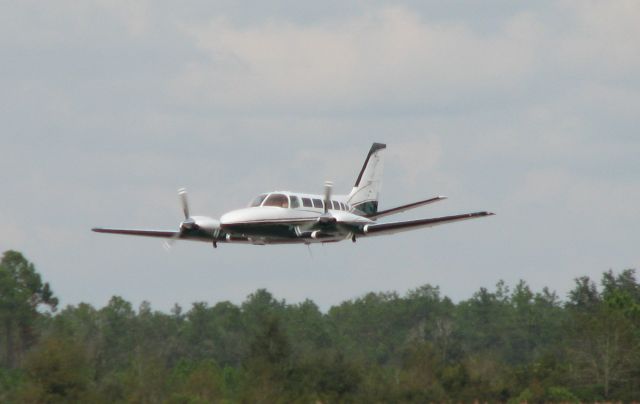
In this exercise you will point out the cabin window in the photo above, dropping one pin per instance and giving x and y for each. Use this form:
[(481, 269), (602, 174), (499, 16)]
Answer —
[(278, 200), (343, 206), (335, 205), (295, 201), (317, 203), (258, 200), (306, 202)]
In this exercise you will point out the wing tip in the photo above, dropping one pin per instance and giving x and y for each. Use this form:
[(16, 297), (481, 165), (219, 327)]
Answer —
[(482, 214)]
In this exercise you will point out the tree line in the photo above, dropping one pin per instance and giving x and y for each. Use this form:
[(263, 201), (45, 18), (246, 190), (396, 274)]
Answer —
[(509, 344)]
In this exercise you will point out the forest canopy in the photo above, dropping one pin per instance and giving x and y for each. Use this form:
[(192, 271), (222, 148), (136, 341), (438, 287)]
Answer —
[(506, 344)]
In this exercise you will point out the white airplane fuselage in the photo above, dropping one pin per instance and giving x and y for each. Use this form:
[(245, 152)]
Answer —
[(293, 224)]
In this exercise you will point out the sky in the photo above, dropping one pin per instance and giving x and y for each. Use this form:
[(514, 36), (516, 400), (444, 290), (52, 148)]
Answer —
[(526, 109)]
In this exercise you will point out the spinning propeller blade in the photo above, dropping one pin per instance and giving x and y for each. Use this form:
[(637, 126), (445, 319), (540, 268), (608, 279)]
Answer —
[(328, 185), (182, 193), (168, 244), (185, 204)]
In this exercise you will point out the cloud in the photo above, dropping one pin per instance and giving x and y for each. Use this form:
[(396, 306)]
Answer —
[(603, 34), (393, 58), (12, 234), (388, 55), (418, 159), (587, 199)]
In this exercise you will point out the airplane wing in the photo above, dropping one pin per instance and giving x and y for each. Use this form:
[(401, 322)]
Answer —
[(140, 232), (402, 208), (396, 227)]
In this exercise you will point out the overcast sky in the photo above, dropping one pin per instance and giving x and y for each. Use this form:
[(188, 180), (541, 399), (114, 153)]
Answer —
[(527, 109)]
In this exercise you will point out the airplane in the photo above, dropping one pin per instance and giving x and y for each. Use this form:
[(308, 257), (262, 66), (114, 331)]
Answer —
[(284, 217)]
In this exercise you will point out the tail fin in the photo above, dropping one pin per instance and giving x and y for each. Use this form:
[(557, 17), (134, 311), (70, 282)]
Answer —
[(364, 195)]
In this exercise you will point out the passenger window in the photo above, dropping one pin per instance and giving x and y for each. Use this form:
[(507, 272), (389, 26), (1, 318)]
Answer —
[(335, 205), (278, 200), (343, 206), (306, 202), (317, 203), (295, 202)]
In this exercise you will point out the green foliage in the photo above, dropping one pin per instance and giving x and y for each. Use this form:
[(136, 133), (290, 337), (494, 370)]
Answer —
[(560, 395), (506, 344), (10, 380), (603, 338), (202, 382), (22, 293), (57, 371)]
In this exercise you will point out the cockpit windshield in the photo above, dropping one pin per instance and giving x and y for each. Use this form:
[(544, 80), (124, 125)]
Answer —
[(278, 200), (257, 201)]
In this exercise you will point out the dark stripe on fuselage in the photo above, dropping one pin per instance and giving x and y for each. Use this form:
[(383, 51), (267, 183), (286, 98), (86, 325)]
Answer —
[(280, 228), (265, 229), (274, 221)]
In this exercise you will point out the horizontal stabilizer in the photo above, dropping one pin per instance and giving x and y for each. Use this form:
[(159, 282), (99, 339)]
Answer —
[(403, 208), (396, 227), (135, 232)]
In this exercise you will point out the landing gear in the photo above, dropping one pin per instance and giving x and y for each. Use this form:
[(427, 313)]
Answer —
[(215, 244), (353, 238)]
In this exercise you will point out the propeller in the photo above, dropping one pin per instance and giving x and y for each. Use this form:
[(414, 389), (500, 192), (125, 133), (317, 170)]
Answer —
[(187, 224), (326, 217), (328, 186), (182, 192), (168, 244), (202, 223)]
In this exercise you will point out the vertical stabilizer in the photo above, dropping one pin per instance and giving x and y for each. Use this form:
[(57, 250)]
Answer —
[(364, 195)]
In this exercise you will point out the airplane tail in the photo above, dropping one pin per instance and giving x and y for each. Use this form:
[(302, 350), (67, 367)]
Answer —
[(364, 195)]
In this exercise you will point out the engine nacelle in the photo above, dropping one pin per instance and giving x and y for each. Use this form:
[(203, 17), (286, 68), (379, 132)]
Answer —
[(206, 224)]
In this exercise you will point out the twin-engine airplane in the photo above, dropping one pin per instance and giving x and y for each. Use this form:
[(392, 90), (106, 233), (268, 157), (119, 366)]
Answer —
[(283, 217)]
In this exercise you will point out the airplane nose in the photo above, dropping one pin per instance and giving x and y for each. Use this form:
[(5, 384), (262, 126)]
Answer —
[(242, 216), (225, 219), (231, 217)]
